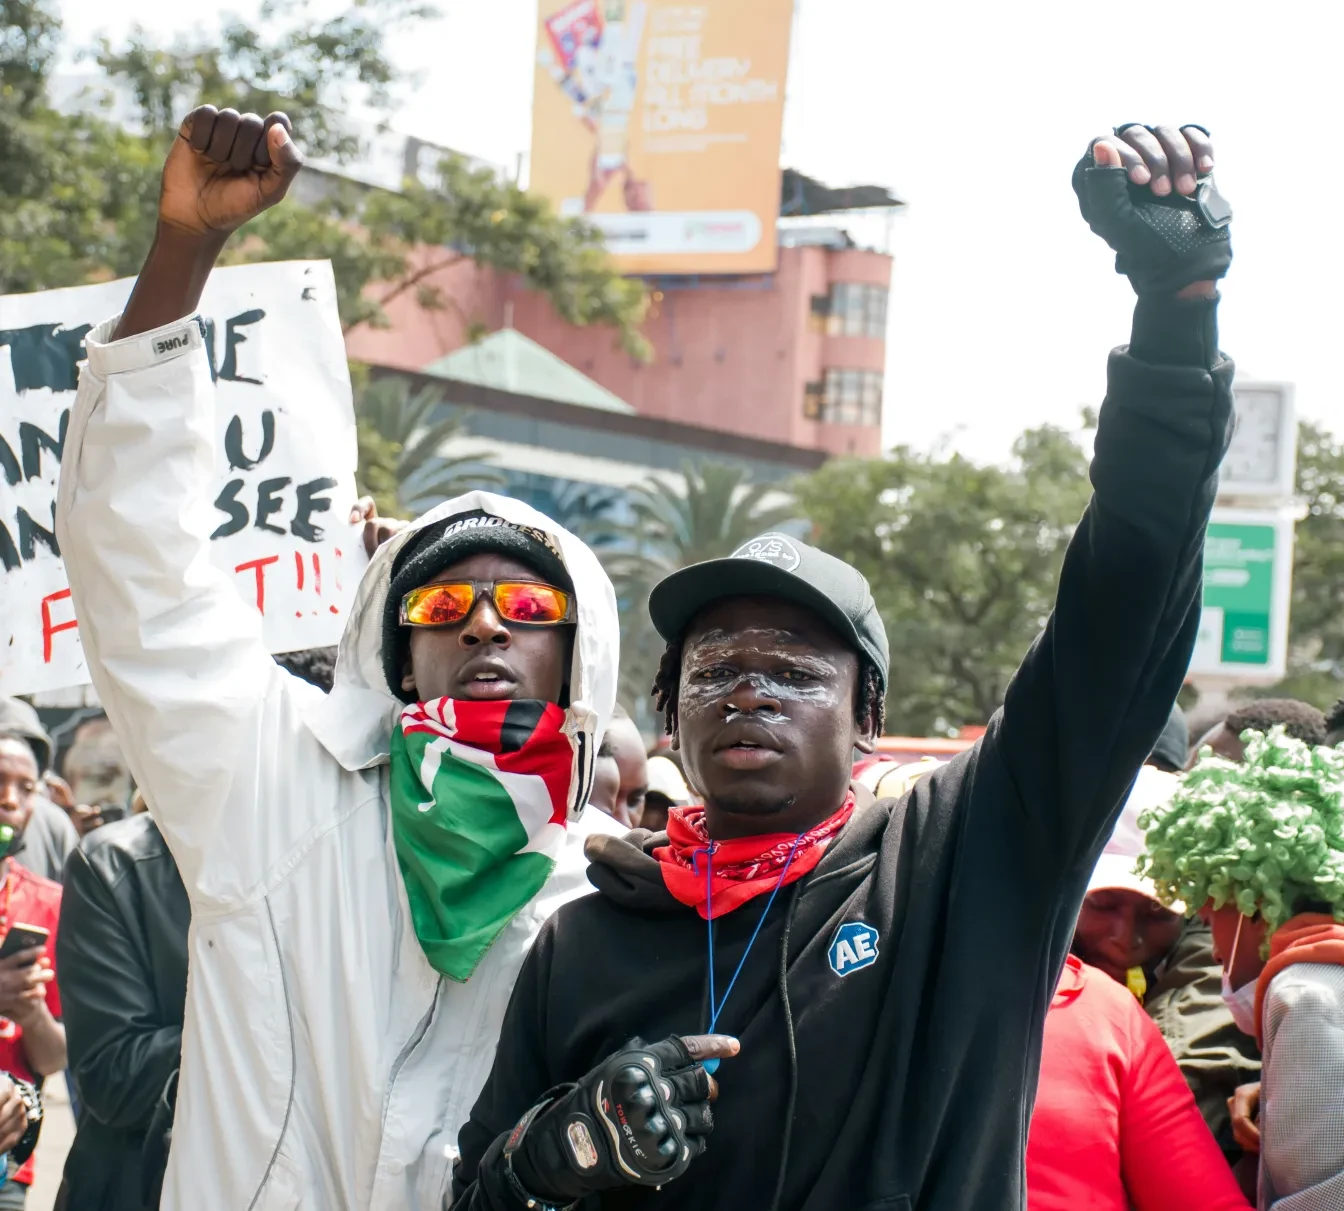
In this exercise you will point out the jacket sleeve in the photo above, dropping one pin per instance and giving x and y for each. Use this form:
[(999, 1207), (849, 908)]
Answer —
[(1090, 699), (518, 1080), (176, 656), (1302, 1090), (121, 1055), (1168, 1158)]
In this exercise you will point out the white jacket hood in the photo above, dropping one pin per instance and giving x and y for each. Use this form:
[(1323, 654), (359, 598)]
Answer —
[(354, 722)]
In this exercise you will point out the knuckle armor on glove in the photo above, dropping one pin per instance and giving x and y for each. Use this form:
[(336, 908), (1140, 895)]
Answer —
[(1162, 244), (633, 1120)]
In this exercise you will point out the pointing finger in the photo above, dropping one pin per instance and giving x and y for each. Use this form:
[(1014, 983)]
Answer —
[(245, 142), (199, 125), (221, 142), (703, 1047)]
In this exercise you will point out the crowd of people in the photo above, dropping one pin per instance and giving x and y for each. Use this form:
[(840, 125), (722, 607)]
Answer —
[(424, 921)]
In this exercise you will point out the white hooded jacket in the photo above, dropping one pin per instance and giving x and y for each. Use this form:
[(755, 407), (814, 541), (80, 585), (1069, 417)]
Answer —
[(325, 1063)]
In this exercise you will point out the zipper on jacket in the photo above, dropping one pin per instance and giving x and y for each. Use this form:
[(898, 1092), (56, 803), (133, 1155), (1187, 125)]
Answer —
[(405, 1053)]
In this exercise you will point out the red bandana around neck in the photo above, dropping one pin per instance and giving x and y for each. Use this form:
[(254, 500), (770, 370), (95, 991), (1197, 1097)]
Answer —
[(744, 868)]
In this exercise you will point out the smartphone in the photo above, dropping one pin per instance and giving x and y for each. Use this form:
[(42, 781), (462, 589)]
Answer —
[(23, 937), (112, 813)]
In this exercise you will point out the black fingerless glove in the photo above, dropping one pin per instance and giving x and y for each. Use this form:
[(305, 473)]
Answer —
[(638, 1119), (32, 1099), (1161, 244)]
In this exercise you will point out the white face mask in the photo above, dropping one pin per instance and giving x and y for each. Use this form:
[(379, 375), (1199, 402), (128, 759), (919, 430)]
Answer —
[(1240, 1002)]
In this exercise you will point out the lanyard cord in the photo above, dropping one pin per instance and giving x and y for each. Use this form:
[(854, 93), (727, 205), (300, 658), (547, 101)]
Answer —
[(716, 1008)]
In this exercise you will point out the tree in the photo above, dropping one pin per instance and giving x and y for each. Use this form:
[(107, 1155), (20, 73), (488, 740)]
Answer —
[(77, 192), (1316, 622), (963, 560), (401, 433)]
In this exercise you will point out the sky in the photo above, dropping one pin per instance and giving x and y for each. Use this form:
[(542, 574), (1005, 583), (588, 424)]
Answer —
[(1003, 304)]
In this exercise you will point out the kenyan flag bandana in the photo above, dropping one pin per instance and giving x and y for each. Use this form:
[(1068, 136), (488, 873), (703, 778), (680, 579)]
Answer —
[(480, 797)]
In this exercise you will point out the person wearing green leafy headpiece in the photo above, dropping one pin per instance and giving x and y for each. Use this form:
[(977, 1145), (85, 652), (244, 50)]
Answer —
[(1257, 849)]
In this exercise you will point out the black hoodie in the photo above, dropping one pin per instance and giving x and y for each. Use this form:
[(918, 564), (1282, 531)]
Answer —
[(891, 1011)]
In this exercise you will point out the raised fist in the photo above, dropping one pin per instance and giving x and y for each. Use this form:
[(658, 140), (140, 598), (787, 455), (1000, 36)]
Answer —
[(224, 169), (1148, 192)]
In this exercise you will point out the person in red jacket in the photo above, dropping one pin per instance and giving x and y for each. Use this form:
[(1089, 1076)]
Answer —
[(1116, 1127)]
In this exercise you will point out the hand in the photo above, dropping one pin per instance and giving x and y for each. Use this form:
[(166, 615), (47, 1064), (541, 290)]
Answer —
[(24, 977), (654, 1099), (13, 1114), (1149, 194), (1244, 1106), (225, 169), (377, 530)]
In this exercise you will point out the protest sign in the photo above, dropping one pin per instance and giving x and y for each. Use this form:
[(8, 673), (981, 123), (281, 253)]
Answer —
[(285, 460)]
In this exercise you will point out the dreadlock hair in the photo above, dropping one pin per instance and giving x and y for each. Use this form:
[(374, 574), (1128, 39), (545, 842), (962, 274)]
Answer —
[(1334, 722), (1300, 720), (1265, 834), (870, 712)]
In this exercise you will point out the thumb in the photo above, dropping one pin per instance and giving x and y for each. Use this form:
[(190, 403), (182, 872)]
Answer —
[(286, 160), (1105, 155)]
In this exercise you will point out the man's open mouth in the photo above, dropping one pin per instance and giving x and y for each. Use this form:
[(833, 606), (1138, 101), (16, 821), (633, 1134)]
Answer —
[(487, 679)]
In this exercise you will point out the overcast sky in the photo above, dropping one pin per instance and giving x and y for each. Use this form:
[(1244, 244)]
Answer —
[(1003, 304)]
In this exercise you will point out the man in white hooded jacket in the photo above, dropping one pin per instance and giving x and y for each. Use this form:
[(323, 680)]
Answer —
[(366, 869)]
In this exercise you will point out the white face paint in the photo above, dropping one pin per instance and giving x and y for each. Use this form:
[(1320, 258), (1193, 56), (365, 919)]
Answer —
[(777, 666)]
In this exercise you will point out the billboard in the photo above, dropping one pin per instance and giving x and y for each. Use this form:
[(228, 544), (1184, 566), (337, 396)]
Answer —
[(1248, 568), (660, 123)]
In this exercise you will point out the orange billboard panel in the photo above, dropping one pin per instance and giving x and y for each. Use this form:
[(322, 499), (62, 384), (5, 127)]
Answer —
[(660, 123)]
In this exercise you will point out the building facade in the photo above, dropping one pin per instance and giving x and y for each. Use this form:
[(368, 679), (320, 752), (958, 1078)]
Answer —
[(793, 358)]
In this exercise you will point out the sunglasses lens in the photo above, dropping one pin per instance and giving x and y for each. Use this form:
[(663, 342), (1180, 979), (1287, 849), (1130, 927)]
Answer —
[(438, 605), (522, 602)]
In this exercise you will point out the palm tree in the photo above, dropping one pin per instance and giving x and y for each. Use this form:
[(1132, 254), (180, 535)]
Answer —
[(718, 510), (400, 443)]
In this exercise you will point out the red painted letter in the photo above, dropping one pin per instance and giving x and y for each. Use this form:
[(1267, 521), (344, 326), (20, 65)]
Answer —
[(49, 628), (259, 567)]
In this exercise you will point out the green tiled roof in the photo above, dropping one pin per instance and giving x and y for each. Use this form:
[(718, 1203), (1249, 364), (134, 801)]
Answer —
[(508, 361)]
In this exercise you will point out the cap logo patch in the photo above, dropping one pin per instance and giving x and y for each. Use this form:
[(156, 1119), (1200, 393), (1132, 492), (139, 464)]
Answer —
[(777, 549)]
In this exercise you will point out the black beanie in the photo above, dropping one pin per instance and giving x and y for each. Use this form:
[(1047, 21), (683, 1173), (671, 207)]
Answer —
[(434, 548)]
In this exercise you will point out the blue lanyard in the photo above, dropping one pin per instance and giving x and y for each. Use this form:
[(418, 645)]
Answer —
[(716, 1007)]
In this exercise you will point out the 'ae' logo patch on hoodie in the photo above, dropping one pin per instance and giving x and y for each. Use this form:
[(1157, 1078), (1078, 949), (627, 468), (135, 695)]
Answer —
[(853, 948)]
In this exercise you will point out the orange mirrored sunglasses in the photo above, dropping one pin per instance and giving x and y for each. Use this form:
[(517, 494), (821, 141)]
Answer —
[(518, 601)]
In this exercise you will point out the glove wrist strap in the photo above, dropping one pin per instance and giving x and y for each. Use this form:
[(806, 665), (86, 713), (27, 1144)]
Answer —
[(515, 1141)]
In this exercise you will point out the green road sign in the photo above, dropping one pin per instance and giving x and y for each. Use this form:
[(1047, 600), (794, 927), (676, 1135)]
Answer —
[(1247, 571)]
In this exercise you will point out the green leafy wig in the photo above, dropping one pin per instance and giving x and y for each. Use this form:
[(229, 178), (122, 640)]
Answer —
[(1266, 835)]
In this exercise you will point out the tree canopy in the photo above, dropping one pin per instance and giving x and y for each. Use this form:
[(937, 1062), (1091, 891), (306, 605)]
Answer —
[(963, 560), (77, 197)]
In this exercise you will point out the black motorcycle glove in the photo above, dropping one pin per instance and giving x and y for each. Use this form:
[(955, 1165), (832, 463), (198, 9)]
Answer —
[(1162, 244), (638, 1119)]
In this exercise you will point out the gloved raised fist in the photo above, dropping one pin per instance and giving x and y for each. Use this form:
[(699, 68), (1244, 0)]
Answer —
[(638, 1119), (1149, 193)]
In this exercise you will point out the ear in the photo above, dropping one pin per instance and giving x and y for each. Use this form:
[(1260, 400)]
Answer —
[(865, 742), (408, 677)]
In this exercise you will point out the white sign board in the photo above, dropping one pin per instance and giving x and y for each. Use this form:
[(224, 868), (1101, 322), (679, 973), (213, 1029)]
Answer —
[(285, 461), (1262, 457), (1248, 577)]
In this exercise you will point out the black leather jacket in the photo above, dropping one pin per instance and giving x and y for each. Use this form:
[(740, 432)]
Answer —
[(122, 955)]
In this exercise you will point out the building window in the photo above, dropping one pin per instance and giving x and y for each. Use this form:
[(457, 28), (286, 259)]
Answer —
[(855, 309), (845, 397)]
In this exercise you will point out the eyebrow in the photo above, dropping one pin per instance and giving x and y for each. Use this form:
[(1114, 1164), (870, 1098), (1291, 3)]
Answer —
[(720, 635)]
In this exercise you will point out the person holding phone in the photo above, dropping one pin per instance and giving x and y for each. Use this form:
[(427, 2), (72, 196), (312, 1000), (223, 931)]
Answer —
[(32, 1038)]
